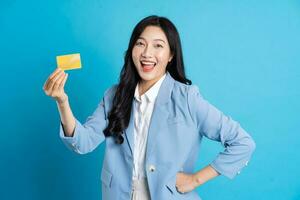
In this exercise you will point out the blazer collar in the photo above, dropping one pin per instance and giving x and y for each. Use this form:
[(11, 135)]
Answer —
[(165, 90)]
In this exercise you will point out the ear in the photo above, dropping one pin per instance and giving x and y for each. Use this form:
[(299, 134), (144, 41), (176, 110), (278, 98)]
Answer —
[(170, 59)]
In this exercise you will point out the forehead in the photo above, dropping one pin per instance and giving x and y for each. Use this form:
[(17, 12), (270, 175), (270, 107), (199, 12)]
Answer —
[(153, 33)]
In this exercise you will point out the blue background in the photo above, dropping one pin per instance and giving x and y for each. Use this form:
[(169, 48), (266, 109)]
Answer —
[(243, 55)]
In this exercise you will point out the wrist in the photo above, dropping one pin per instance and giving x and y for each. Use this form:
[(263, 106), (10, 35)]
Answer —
[(197, 180), (63, 100)]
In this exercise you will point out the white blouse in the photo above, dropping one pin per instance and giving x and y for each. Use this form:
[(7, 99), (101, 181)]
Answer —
[(142, 116)]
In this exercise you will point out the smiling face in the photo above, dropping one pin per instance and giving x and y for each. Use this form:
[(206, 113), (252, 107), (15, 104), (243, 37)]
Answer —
[(151, 54)]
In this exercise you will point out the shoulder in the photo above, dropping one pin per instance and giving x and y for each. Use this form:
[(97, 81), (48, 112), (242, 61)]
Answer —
[(110, 93), (185, 91)]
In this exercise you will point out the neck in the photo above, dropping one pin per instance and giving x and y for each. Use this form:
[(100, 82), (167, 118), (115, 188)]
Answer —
[(144, 86)]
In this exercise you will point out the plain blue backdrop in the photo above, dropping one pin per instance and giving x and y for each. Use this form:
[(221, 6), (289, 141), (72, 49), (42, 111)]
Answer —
[(243, 55)]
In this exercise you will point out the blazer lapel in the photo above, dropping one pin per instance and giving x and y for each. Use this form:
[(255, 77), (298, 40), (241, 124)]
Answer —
[(158, 119), (160, 113)]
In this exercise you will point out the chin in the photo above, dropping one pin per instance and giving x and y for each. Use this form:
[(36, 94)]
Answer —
[(147, 76)]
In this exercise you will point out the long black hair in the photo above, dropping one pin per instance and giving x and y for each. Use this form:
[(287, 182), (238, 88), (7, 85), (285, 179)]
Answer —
[(120, 112)]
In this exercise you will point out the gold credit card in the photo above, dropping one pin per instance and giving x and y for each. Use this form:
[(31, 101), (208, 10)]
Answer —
[(70, 61)]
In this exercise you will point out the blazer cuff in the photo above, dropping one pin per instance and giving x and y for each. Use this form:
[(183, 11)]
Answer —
[(70, 142), (221, 171), (232, 168)]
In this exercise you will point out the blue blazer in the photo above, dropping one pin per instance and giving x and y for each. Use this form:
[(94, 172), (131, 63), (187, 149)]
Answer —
[(180, 119)]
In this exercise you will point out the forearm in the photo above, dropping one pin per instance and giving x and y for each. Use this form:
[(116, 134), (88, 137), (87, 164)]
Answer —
[(66, 116), (204, 175)]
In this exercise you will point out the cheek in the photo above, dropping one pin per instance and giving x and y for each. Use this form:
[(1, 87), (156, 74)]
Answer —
[(135, 56), (163, 57)]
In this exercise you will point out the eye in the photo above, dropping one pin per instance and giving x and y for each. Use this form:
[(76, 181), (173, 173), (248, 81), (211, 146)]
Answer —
[(139, 43), (158, 46)]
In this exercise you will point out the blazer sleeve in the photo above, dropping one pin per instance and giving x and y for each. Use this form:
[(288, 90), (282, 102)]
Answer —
[(213, 124), (89, 135)]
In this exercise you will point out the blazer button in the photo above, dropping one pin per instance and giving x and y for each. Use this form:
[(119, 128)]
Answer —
[(151, 168)]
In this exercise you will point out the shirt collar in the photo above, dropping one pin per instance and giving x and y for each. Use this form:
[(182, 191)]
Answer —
[(151, 93)]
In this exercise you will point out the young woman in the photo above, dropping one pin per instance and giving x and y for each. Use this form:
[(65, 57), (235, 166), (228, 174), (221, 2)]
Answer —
[(152, 123)]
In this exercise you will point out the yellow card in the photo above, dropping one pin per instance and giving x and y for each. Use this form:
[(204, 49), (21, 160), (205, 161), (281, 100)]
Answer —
[(70, 61)]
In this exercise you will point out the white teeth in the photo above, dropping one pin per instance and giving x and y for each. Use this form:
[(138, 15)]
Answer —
[(147, 63)]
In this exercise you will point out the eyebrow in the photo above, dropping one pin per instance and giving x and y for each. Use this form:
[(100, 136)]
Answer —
[(154, 39)]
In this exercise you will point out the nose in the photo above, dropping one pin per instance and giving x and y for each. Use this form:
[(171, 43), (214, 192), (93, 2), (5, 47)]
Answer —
[(147, 52)]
